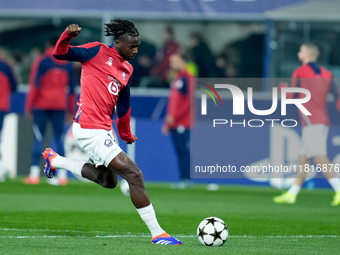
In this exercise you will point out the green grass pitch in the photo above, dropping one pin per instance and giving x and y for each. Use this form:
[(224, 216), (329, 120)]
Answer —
[(84, 218)]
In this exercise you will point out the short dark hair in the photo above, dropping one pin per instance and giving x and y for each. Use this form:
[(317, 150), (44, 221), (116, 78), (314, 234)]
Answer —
[(119, 28)]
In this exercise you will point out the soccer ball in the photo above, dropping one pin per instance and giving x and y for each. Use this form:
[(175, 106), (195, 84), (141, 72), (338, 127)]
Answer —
[(212, 231), (124, 187)]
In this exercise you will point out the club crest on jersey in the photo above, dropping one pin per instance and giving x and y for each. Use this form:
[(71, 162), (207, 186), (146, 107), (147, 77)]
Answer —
[(124, 76), (114, 86), (108, 142), (109, 62)]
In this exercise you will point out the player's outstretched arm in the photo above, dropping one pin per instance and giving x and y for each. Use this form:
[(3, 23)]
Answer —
[(82, 53), (63, 44)]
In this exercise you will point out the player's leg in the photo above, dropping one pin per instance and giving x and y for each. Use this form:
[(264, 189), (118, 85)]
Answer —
[(180, 140), (321, 160), (289, 197), (57, 119), (100, 175), (328, 171), (107, 177), (40, 118), (313, 142), (102, 149), (126, 168)]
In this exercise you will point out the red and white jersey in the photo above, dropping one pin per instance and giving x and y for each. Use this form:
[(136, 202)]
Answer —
[(319, 82), (104, 84)]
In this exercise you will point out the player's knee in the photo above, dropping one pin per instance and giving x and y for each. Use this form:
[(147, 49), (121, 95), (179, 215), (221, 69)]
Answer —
[(135, 176), (107, 179)]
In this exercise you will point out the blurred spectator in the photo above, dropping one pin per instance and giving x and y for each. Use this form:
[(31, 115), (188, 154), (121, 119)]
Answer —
[(51, 93), (221, 65), (179, 110), (142, 62), (170, 46), (202, 56), (8, 84), (224, 67)]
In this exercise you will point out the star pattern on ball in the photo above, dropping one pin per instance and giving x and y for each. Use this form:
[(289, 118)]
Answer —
[(201, 233), (217, 234), (212, 221)]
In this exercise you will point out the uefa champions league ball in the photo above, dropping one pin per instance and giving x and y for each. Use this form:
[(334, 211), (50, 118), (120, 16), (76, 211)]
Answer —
[(212, 231)]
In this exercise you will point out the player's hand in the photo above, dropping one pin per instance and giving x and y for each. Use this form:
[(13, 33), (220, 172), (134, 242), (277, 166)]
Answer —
[(73, 29), (131, 142)]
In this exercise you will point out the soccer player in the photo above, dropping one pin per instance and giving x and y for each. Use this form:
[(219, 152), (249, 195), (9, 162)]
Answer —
[(319, 81), (8, 84), (50, 96), (104, 90), (177, 120)]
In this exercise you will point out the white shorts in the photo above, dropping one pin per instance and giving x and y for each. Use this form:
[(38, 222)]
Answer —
[(314, 140), (99, 144)]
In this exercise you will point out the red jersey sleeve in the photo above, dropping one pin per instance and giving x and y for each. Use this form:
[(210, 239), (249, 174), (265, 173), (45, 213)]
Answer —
[(124, 114), (82, 53), (62, 45)]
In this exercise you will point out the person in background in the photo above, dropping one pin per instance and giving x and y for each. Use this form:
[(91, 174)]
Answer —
[(169, 47), (50, 97), (202, 56), (142, 63), (319, 81), (180, 113), (8, 85)]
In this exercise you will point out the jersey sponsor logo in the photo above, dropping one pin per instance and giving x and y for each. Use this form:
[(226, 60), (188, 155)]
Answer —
[(109, 62), (124, 76)]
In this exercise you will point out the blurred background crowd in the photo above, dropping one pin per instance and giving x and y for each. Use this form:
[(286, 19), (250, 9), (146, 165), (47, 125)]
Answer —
[(20, 46), (226, 45)]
